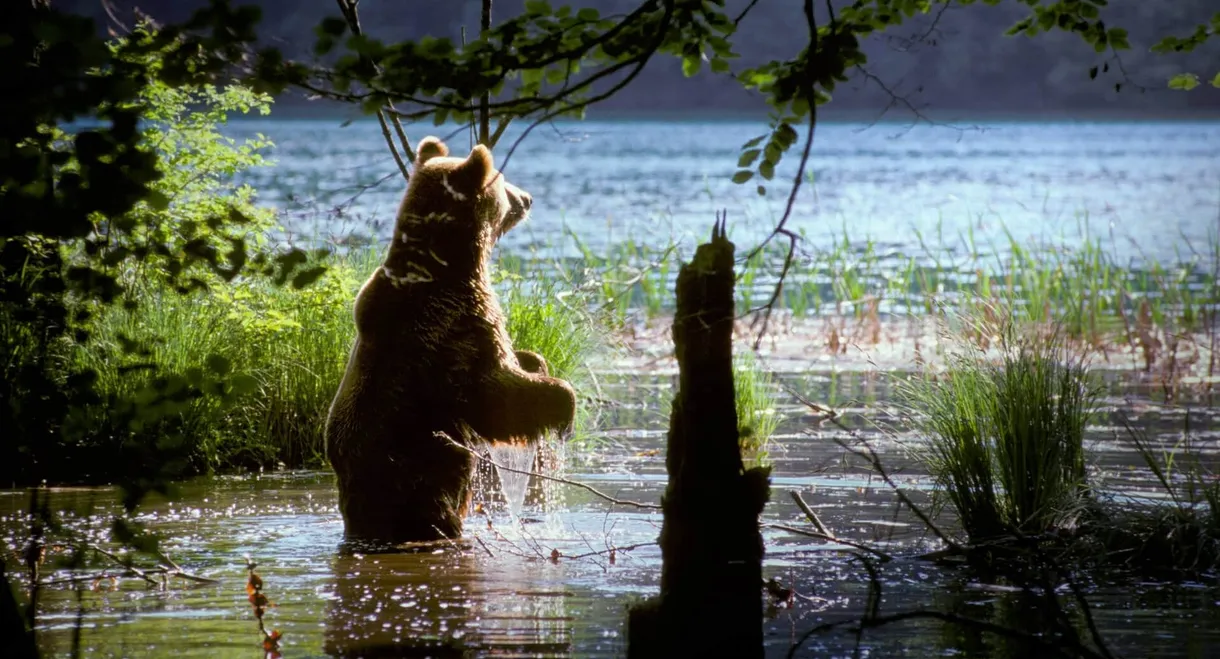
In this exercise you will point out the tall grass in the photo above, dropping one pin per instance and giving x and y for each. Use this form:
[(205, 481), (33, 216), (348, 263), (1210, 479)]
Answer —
[(755, 398), (1006, 433), (1179, 530), (1078, 282), (295, 344)]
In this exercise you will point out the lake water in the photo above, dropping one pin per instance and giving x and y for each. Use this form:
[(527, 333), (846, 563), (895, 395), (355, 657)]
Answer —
[(502, 594), (1156, 185)]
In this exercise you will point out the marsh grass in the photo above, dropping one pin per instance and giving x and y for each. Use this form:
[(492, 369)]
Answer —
[(1005, 433), (1176, 531), (294, 344), (1077, 282), (755, 398)]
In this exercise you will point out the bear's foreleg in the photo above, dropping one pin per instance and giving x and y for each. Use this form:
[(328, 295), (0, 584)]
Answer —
[(515, 406)]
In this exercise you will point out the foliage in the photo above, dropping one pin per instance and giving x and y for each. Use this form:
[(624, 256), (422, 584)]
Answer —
[(1006, 439), (73, 157), (87, 209), (1188, 81), (556, 61), (197, 188)]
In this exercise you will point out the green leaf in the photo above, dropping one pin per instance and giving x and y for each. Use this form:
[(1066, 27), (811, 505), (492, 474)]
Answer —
[(538, 7), (754, 142), (748, 157), (742, 176), (332, 26), (1184, 81), (766, 169), (691, 65), (1216, 81)]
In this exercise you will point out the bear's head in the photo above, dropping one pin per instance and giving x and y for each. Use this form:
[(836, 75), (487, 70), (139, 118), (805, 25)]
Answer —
[(455, 210)]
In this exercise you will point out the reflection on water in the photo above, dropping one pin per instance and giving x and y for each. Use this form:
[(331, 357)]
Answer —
[(380, 606), (556, 582)]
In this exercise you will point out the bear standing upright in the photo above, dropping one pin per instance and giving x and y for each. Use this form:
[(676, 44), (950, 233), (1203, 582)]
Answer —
[(432, 362)]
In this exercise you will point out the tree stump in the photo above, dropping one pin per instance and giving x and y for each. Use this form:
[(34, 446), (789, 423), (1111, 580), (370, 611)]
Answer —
[(711, 547)]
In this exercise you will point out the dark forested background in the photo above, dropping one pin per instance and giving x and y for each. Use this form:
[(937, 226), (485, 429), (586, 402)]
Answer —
[(955, 65)]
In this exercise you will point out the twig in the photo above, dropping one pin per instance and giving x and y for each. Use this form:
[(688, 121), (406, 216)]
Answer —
[(169, 569), (611, 550), (596, 492), (131, 569), (830, 538), (813, 517), (500, 128), (781, 227), (484, 546), (875, 461), (402, 134), (348, 9), (485, 100), (389, 140)]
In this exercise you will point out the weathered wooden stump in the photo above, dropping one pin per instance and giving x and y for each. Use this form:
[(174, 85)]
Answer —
[(711, 548)]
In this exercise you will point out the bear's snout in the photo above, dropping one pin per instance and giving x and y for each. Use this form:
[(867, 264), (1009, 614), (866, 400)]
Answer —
[(519, 202)]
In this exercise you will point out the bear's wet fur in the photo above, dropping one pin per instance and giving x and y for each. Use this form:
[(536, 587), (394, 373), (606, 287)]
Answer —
[(432, 363)]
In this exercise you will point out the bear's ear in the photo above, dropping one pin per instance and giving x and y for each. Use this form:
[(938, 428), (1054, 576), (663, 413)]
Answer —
[(430, 147), (479, 166)]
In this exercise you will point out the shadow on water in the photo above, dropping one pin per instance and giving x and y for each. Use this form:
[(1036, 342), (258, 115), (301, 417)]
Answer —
[(557, 581)]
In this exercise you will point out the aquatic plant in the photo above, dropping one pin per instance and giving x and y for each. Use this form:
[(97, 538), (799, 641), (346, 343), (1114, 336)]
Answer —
[(1176, 531), (755, 399), (1005, 437)]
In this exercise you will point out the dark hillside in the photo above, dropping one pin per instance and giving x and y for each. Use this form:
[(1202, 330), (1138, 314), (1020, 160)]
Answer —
[(956, 64)]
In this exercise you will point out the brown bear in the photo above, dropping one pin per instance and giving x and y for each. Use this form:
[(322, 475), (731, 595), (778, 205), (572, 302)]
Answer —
[(432, 364)]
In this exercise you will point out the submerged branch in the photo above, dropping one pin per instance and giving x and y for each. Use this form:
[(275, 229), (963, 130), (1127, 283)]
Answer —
[(874, 460), (830, 538)]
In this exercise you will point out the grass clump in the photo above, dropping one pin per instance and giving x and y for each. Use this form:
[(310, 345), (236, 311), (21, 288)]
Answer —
[(1006, 434), (1179, 530), (754, 395)]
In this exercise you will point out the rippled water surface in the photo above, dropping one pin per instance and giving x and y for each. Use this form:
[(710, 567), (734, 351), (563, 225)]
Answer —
[(549, 587), (1156, 184)]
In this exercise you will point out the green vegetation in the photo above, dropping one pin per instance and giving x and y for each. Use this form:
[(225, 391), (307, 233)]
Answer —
[(293, 345), (1077, 281), (1005, 444), (757, 420), (1006, 434), (1177, 531)]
